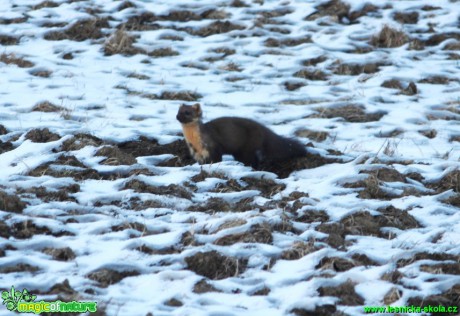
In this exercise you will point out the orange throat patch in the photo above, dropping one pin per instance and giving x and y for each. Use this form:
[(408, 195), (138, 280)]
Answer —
[(194, 141)]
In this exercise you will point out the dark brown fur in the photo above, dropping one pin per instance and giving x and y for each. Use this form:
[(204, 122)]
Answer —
[(248, 141)]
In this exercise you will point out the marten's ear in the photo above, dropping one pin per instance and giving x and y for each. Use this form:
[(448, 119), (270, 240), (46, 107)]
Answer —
[(197, 108)]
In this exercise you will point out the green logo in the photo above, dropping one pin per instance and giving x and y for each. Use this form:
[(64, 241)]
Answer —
[(24, 302), (12, 298)]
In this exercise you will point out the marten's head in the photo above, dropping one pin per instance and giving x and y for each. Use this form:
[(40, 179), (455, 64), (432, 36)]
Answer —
[(189, 113)]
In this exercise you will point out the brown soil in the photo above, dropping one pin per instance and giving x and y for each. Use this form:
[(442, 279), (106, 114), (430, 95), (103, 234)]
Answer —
[(115, 156), (214, 205), (203, 287), (46, 107), (80, 31), (345, 292), (80, 141), (5, 146), (259, 233), (6, 40), (45, 4), (350, 113), (389, 37), (311, 74), (289, 42), (442, 268), (173, 302), (386, 174), (293, 85), (299, 250), (392, 296), (284, 168), (367, 9), (42, 135), (3, 130), (14, 60), (186, 15), (11, 203), (450, 297), (189, 96), (363, 223), (392, 84), (406, 17), (106, 277), (217, 27), (313, 216), (171, 37), (60, 254), (453, 200), (76, 173), (5, 231), (27, 229), (334, 8), (267, 187), (322, 310), (162, 52), (430, 133), (40, 72), (14, 20), (335, 263), (317, 136), (437, 80), (451, 181), (63, 288), (427, 256), (355, 69), (437, 39), (59, 195), (372, 189), (142, 22), (314, 61), (19, 267), (126, 5), (215, 266), (121, 43), (172, 189)]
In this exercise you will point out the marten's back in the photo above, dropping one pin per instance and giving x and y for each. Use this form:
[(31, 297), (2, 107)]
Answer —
[(234, 132), (240, 136)]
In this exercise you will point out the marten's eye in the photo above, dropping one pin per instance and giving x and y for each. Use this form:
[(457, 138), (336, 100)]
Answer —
[(188, 112)]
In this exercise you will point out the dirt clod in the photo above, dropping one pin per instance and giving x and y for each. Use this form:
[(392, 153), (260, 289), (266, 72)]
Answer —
[(256, 234), (389, 37), (42, 135), (11, 203), (60, 254), (215, 266), (171, 189), (115, 156), (46, 107), (80, 141), (15, 60), (350, 113), (106, 277), (345, 292), (311, 74), (80, 31)]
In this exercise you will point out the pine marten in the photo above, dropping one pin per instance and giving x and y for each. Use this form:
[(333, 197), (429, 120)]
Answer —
[(248, 141)]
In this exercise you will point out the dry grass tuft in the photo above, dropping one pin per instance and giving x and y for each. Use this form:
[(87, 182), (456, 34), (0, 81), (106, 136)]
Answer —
[(121, 43), (18, 61), (389, 37)]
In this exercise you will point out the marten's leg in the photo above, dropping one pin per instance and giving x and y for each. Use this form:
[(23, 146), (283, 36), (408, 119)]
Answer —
[(215, 155), (249, 158)]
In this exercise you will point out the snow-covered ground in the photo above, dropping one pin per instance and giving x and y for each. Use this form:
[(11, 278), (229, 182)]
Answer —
[(95, 189)]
